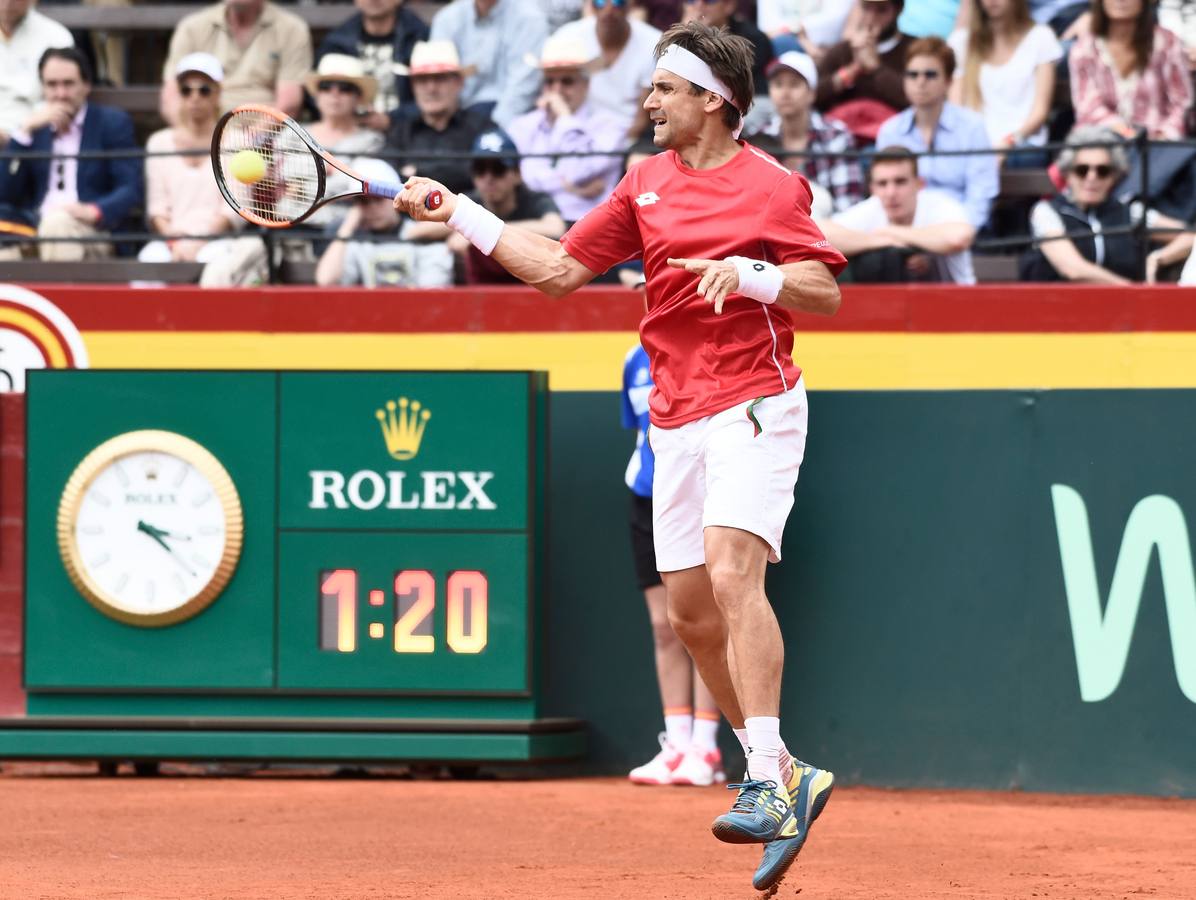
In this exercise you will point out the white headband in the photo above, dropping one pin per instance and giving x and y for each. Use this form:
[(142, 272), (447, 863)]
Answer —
[(691, 67)]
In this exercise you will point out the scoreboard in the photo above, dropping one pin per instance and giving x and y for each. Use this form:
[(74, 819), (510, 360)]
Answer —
[(224, 564)]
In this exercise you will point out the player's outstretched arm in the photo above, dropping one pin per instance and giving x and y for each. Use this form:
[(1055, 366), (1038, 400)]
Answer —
[(538, 261), (808, 286)]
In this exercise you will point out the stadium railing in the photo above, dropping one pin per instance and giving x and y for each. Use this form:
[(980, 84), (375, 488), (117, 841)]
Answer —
[(994, 257)]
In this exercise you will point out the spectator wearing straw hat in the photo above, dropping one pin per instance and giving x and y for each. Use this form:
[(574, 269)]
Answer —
[(343, 94), (442, 126), (494, 38), (797, 129), (265, 52), (381, 34), (565, 121)]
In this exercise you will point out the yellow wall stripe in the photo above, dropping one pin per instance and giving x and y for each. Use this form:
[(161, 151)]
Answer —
[(592, 361)]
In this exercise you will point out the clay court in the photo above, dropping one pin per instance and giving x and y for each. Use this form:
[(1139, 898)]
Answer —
[(70, 834)]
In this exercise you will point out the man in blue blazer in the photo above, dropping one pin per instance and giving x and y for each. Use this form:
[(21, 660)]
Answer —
[(66, 197)]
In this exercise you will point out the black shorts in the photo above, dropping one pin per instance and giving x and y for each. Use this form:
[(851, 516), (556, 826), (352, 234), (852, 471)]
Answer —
[(643, 552)]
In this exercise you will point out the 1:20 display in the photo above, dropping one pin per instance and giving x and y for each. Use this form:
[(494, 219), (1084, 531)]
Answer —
[(466, 622)]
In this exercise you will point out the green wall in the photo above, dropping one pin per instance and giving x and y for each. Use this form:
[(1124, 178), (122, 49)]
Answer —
[(922, 595)]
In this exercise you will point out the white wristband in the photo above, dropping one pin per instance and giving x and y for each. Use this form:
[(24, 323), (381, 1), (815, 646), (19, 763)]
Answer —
[(476, 224), (757, 279)]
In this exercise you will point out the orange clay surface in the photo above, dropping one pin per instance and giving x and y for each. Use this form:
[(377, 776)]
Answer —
[(66, 833)]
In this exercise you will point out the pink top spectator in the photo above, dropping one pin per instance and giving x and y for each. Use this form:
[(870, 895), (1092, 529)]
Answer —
[(185, 194), (1155, 98)]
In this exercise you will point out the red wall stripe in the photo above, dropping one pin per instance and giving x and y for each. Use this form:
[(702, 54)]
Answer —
[(921, 308)]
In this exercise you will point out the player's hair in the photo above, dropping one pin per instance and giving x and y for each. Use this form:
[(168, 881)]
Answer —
[(70, 54), (729, 56), (936, 47), (892, 154)]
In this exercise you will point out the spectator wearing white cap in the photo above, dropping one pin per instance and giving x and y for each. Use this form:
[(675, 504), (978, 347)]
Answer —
[(181, 198), (25, 34), (797, 130), (565, 121), (367, 250), (494, 37), (265, 52), (625, 51), (442, 126)]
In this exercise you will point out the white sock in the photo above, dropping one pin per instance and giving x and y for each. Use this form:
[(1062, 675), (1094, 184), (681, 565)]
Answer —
[(764, 749), (741, 736), (706, 732), (679, 730)]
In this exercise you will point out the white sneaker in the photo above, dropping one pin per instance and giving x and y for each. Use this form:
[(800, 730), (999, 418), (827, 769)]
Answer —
[(659, 769), (700, 767)]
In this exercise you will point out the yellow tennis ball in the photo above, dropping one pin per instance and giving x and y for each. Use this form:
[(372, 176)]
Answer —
[(247, 166)]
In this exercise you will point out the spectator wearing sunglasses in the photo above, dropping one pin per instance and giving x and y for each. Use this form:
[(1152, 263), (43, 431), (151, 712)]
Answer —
[(565, 121), (181, 198), (933, 123), (723, 14), (624, 52), (69, 197), (382, 33), (1084, 234), (343, 94), (493, 39)]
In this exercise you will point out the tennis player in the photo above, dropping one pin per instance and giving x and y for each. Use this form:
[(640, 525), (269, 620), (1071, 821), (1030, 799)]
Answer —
[(729, 254)]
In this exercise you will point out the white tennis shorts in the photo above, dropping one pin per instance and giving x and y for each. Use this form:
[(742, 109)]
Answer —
[(719, 471)]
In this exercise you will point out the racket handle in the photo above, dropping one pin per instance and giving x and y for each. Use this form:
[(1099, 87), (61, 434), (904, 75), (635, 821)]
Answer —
[(383, 189), (433, 200)]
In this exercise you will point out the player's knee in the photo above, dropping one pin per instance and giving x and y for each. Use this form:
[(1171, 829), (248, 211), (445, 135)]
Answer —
[(731, 584), (695, 629)]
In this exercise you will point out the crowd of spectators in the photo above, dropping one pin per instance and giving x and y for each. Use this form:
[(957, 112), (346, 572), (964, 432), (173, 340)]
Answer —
[(902, 119)]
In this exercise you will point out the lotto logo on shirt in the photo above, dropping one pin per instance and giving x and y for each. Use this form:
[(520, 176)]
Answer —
[(646, 199)]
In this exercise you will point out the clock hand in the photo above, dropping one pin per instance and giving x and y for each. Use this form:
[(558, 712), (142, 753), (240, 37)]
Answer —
[(156, 533)]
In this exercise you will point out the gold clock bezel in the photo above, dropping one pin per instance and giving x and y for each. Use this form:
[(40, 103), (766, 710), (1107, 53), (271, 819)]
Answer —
[(166, 442)]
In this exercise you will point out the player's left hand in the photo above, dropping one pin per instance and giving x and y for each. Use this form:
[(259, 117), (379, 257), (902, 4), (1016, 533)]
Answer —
[(716, 279)]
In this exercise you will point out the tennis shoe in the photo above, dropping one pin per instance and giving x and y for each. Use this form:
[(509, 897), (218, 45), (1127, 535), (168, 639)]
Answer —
[(810, 788), (756, 817), (700, 767), (659, 769)]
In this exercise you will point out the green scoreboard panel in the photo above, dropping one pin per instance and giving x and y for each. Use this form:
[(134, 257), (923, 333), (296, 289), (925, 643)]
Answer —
[(224, 563)]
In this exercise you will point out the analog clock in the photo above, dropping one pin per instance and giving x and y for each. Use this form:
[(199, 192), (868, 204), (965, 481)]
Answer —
[(150, 528)]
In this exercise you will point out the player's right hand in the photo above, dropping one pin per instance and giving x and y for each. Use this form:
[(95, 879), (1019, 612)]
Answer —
[(410, 201)]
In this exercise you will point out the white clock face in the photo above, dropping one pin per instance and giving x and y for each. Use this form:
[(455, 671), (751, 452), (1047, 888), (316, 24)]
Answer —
[(150, 532)]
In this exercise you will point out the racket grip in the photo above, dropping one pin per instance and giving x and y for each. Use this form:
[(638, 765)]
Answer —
[(433, 200)]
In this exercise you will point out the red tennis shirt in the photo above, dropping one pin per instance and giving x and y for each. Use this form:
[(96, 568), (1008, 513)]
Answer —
[(750, 206)]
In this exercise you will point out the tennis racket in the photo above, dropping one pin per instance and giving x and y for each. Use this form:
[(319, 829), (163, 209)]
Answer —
[(295, 179)]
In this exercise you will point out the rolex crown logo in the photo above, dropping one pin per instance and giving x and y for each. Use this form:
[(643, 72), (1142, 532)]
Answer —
[(403, 425)]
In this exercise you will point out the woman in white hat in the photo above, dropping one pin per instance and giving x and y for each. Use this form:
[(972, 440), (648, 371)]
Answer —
[(343, 94), (181, 196)]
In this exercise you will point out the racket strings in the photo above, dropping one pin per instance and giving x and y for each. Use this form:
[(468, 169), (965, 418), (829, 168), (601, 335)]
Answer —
[(290, 185)]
